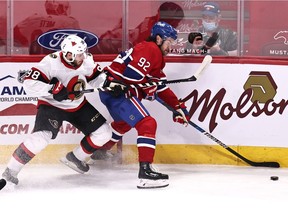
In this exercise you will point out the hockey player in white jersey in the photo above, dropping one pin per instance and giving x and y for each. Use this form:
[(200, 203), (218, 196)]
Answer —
[(52, 80), (27, 31)]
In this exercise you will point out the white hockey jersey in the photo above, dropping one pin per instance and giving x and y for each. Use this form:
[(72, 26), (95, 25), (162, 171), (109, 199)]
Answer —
[(37, 81)]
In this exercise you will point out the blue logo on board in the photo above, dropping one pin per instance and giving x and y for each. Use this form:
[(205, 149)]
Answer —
[(52, 39)]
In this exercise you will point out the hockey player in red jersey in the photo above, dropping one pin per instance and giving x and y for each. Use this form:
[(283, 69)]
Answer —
[(27, 31), (52, 80), (141, 64)]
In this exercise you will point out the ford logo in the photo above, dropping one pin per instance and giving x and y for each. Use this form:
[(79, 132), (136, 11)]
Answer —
[(52, 39)]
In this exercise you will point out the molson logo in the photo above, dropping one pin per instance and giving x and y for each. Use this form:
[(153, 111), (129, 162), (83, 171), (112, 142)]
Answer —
[(257, 99), (52, 39)]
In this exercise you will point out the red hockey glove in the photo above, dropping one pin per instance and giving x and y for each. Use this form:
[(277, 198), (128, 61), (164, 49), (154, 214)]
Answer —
[(150, 92), (181, 115), (58, 90)]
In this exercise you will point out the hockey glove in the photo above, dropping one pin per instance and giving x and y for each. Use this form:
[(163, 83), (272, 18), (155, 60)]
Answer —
[(150, 92), (194, 36), (117, 87), (58, 90), (181, 115)]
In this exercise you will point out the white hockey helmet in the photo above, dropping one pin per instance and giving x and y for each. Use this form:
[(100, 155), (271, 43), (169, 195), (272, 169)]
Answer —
[(55, 7), (75, 45)]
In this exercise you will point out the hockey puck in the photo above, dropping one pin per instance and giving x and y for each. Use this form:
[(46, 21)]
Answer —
[(274, 178), (2, 183)]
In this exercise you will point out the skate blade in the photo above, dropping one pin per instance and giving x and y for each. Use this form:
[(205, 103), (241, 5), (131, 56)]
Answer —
[(150, 184), (71, 165)]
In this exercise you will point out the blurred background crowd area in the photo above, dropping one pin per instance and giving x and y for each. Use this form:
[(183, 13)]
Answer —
[(38, 27)]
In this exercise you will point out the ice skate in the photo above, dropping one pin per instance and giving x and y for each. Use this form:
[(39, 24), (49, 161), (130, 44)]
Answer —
[(10, 176), (150, 178), (9, 181), (71, 161)]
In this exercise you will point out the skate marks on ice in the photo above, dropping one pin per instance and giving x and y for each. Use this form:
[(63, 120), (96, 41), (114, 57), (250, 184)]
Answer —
[(193, 190)]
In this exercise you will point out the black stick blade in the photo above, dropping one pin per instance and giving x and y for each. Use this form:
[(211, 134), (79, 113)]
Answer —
[(265, 164), (252, 163)]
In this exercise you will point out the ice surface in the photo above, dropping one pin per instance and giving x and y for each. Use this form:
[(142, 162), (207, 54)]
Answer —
[(194, 190)]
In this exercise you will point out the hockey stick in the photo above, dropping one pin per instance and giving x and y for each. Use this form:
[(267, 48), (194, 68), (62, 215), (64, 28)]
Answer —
[(252, 163), (206, 61)]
